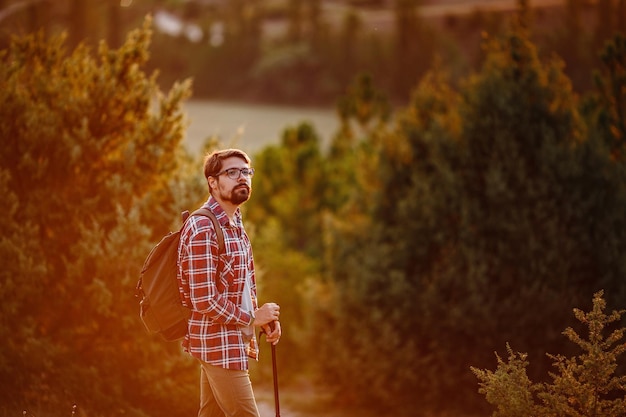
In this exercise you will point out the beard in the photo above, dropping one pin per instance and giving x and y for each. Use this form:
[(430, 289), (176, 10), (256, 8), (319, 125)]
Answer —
[(240, 194)]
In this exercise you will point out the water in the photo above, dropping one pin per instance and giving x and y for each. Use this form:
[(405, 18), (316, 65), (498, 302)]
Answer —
[(251, 127)]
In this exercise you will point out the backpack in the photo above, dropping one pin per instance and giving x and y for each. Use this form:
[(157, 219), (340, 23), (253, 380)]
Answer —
[(161, 309)]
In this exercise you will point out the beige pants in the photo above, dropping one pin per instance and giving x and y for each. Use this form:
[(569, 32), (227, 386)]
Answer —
[(225, 393)]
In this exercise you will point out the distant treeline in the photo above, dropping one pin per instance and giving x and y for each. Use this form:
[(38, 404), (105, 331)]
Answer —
[(238, 54)]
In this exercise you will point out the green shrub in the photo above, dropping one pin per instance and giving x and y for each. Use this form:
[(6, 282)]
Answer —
[(583, 386), (92, 174)]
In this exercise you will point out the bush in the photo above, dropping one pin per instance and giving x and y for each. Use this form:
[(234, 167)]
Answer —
[(583, 385), (91, 177)]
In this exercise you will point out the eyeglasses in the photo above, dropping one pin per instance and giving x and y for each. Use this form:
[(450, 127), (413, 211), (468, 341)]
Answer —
[(234, 173)]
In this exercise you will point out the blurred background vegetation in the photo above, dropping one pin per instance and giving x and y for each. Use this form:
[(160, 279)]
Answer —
[(472, 197), (307, 51)]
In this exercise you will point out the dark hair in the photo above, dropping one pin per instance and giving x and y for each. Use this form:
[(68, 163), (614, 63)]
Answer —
[(213, 161)]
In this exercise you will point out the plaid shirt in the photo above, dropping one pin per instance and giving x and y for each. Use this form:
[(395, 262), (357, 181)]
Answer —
[(214, 334)]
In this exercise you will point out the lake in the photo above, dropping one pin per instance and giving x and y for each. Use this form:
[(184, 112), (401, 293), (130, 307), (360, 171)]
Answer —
[(251, 127)]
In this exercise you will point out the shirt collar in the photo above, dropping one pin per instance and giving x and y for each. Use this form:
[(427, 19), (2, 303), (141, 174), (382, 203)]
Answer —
[(221, 215)]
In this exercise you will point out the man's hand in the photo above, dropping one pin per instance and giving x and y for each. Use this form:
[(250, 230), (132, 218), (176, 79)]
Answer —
[(267, 313), (266, 317), (272, 331)]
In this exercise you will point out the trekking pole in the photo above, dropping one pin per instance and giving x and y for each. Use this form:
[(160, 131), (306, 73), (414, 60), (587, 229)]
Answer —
[(274, 373)]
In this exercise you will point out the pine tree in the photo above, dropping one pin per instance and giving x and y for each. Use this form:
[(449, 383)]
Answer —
[(584, 385), (480, 204), (91, 150), (607, 107)]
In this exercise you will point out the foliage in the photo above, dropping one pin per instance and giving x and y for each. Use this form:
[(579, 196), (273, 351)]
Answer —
[(284, 216), (479, 203), (583, 385), (608, 105), (509, 389), (292, 214), (293, 180), (91, 174)]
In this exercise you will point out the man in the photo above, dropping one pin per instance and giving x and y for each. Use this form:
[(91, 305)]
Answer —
[(220, 289)]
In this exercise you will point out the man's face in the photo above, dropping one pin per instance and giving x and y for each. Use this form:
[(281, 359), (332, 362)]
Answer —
[(234, 190)]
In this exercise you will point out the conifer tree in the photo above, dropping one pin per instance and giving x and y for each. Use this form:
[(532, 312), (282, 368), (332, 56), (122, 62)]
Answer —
[(90, 153), (586, 384), (285, 222), (484, 202), (607, 107)]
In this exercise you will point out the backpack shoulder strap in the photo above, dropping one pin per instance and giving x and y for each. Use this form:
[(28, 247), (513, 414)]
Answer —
[(216, 226)]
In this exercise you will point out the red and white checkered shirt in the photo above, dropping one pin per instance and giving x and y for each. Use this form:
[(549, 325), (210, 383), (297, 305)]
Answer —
[(214, 334)]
